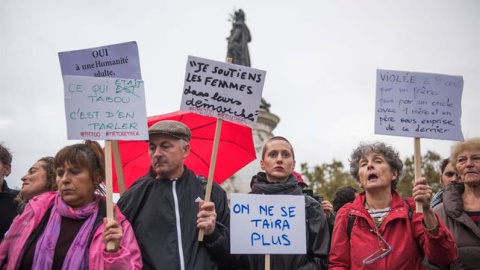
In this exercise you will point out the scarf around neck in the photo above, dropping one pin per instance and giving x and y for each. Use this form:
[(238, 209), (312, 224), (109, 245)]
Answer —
[(260, 185), (45, 248)]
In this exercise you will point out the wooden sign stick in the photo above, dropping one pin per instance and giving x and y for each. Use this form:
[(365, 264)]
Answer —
[(118, 167), (267, 261), (109, 186), (213, 160), (211, 170), (418, 170)]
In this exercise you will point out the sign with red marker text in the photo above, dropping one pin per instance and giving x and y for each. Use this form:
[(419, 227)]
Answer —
[(224, 90), (419, 105), (105, 108), (267, 224), (116, 61)]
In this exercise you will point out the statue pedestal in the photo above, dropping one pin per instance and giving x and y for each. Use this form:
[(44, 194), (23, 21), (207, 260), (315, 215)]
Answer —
[(262, 132)]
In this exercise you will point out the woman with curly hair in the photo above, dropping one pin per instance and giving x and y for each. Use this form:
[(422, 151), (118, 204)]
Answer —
[(380, 230), (40, 178)]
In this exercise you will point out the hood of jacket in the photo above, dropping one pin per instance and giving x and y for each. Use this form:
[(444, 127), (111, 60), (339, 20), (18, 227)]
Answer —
[(452, 200)]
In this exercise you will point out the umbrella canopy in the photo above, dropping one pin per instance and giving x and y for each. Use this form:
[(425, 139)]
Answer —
[(235, 149)]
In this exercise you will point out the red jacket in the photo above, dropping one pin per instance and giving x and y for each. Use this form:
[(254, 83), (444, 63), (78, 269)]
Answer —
[(405, 236)]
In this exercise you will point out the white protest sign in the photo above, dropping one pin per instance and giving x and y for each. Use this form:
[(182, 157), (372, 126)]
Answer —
[(117, 61), (105, 108), (224, 90), (267, 224), (420, 105)]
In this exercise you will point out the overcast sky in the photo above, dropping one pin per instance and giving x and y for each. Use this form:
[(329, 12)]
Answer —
[(320, 56)]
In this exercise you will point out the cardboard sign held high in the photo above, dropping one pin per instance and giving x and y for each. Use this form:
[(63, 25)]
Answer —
[(419, 105), (224, 91), (105, 108), (116, 61)]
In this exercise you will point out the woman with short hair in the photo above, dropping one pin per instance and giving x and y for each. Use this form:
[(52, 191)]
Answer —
[(380, 230), (68, 229), (460, 209), (277, 163)]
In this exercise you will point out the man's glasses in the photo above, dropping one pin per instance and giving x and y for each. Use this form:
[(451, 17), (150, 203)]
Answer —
[(377, 255)]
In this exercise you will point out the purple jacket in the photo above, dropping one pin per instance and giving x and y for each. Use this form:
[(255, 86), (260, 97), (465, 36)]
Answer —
[(11, 248)]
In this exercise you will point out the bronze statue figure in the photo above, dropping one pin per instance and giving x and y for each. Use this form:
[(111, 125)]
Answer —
[(238, 46), (238, 40)]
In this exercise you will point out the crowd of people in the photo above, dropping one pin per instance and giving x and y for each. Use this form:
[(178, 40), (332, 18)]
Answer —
[(58, 218)]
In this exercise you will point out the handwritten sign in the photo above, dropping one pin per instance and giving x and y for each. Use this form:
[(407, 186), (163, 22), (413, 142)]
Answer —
[(105, 108), (224, 90), (117, 61), (267, 224), (420, 105)]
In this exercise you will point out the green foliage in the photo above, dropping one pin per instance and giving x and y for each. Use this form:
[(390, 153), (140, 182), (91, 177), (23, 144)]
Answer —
[(405, 185), (326, 178), (430, 170)]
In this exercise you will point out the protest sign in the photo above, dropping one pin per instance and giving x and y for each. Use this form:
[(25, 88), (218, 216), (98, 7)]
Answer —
[(420, 105), (105, 108), (109, 109), (117, 61), (267, 224), (224, 90)]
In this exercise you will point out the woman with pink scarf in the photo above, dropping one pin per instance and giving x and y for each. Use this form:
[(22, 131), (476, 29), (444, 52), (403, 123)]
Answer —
[(68, 229)]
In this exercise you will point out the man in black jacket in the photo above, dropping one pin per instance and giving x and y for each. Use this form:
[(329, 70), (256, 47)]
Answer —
[(8, 208), (166, 207)]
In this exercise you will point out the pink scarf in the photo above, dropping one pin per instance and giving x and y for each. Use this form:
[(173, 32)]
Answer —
[(45, 248)]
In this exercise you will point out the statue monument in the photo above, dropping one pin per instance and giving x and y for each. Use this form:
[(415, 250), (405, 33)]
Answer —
[(262, 131), (238, 45), (238, 40)]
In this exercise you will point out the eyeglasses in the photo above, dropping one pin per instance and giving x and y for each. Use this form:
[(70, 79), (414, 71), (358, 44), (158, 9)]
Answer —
[(377, 255)]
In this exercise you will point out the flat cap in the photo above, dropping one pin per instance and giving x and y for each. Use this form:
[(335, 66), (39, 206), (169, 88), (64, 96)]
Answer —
[(172, 128)]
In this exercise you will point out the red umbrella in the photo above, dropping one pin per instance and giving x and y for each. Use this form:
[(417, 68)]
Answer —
[(235, 149)]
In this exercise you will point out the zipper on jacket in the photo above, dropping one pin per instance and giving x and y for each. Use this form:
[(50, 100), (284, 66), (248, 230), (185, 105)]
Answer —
[(179, 228)]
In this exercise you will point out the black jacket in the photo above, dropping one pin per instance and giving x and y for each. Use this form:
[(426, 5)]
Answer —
[(149, 205), (8, 208), (317, 233)]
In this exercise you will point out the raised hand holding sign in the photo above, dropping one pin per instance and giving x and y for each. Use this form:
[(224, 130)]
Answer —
[(419, 105)]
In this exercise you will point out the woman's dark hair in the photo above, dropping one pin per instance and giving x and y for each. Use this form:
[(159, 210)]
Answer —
[(444, 164), (342, 196), (87, 155), (5, 155)]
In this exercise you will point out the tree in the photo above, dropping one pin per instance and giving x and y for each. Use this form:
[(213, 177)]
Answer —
[(327, 178), (430, 171), (405, 185)]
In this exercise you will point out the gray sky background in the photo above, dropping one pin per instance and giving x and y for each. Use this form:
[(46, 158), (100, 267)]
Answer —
[(320, 56)]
